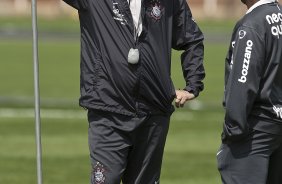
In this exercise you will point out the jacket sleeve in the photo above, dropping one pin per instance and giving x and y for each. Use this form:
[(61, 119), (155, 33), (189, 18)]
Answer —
[(243, 82), (188, 37)]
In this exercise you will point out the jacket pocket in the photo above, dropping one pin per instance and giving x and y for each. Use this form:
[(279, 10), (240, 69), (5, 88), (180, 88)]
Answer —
[(90, 75), (234, 132)]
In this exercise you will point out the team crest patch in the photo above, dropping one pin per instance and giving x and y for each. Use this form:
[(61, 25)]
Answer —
[(155, 9), (98, 175)]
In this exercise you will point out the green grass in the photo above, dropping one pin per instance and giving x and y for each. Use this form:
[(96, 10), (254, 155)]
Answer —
[(65, 24), (216, 26), (194, 135), (59, 68), (189, 157), (59, 24), (65, 155)]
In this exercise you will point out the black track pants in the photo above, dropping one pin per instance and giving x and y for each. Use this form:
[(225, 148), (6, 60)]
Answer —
[(257, 159), (126, 149)]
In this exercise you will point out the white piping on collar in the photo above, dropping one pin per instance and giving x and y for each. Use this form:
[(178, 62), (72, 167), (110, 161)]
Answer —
[(259, 3)]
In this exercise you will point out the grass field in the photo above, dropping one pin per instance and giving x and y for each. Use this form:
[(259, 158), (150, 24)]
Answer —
[(194, 134)]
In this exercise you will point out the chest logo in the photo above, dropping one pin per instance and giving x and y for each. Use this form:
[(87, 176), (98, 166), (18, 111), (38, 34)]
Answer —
[(155, 9)]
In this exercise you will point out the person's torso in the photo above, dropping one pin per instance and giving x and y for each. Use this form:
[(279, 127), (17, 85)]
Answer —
[(267, 21), (107, 35)]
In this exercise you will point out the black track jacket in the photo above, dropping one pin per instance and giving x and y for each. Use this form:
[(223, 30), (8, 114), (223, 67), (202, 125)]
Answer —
[(253, 78), (109, 82)]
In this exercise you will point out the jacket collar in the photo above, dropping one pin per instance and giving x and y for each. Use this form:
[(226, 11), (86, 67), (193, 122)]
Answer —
[(259, 3)]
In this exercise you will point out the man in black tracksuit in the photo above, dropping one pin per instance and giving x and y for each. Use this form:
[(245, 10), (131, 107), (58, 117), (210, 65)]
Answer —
[(251, 150), (126, 84)]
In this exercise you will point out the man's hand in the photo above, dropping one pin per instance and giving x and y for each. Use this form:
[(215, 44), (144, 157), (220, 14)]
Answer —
[(182, 97)]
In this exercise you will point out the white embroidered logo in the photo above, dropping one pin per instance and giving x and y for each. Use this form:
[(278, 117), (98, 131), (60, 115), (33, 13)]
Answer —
[(232, 58), (155, 9), (246, 63), (242, 34), (275, 20), (118, 15), (156, 12), (278, 111), (98, 174)]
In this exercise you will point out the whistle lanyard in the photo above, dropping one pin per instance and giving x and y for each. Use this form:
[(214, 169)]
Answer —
[(135, 8)]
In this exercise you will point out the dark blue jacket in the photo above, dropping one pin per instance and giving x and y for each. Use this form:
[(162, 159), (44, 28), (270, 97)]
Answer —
[(109, 82)]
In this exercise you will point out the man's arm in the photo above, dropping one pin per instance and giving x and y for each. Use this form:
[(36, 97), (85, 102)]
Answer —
[(243, 82), (188, 37)]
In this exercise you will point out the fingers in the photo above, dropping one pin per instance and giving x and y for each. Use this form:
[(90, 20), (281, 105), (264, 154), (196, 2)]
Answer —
[(177, 102), (182, 97), (183, 101)]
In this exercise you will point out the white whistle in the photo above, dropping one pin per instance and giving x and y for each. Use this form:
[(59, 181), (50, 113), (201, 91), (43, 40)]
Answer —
[(133, 56)]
